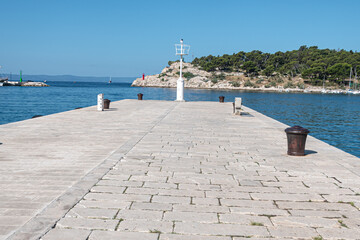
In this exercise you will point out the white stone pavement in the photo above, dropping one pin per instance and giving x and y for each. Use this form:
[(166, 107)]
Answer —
[(166, 170)]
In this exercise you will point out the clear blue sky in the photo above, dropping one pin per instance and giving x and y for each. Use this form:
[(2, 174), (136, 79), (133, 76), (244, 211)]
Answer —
[(127, 38)]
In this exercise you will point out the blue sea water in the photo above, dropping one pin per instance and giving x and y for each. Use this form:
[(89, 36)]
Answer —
[(334, 119)]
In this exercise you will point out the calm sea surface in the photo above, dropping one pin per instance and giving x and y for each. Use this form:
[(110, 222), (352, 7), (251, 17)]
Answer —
[(334, 119)]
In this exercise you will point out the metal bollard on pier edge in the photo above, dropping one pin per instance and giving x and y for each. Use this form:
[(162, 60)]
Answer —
[(100, 102), (106, 103), (296, 137), (221, 99), (140, 96)]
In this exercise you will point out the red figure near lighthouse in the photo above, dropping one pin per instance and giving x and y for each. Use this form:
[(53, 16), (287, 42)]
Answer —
[(143, 76)]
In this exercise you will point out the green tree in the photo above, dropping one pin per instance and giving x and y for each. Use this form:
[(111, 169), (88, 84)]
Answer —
[(269, 70), (339, 71), (309, 62), (249, 67)]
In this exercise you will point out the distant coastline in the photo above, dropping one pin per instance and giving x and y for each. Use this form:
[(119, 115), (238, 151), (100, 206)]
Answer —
[(68, 78)]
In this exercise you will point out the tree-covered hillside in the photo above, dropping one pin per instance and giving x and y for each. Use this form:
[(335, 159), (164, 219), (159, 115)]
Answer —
[(333, 66)]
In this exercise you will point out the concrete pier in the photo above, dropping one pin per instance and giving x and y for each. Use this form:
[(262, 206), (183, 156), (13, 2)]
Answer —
[(171, 170)]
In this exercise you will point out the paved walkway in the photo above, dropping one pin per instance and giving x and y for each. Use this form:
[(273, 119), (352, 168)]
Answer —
[(167, 170)]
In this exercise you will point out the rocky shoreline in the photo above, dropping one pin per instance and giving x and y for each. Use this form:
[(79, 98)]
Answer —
[(199, 79)]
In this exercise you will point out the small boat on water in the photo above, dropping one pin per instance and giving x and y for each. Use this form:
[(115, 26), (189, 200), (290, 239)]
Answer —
[(350, 91), (353, 91), (324, 91), (110, 80), (2, 80), (335, 92), (11, 83)]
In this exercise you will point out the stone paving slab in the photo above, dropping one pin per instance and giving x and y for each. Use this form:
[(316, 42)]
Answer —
[(168, 170)]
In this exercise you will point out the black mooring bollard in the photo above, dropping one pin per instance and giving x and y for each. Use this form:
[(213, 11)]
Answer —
[(140, 96), (296, 137), (221, 99), (106, 103)]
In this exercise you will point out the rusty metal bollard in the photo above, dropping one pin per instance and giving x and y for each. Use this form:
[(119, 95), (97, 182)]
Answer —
[(140, 95), (296, 137), (106, 103), (221, 99)]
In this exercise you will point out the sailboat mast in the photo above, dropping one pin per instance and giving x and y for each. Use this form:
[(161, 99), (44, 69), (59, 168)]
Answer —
[(355, 81), (350, 78)]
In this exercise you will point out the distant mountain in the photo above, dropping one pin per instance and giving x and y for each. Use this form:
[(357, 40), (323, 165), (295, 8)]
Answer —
[(70, 78)]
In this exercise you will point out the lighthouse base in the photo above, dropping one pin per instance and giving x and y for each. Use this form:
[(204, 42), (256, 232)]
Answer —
[(180, 90)]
